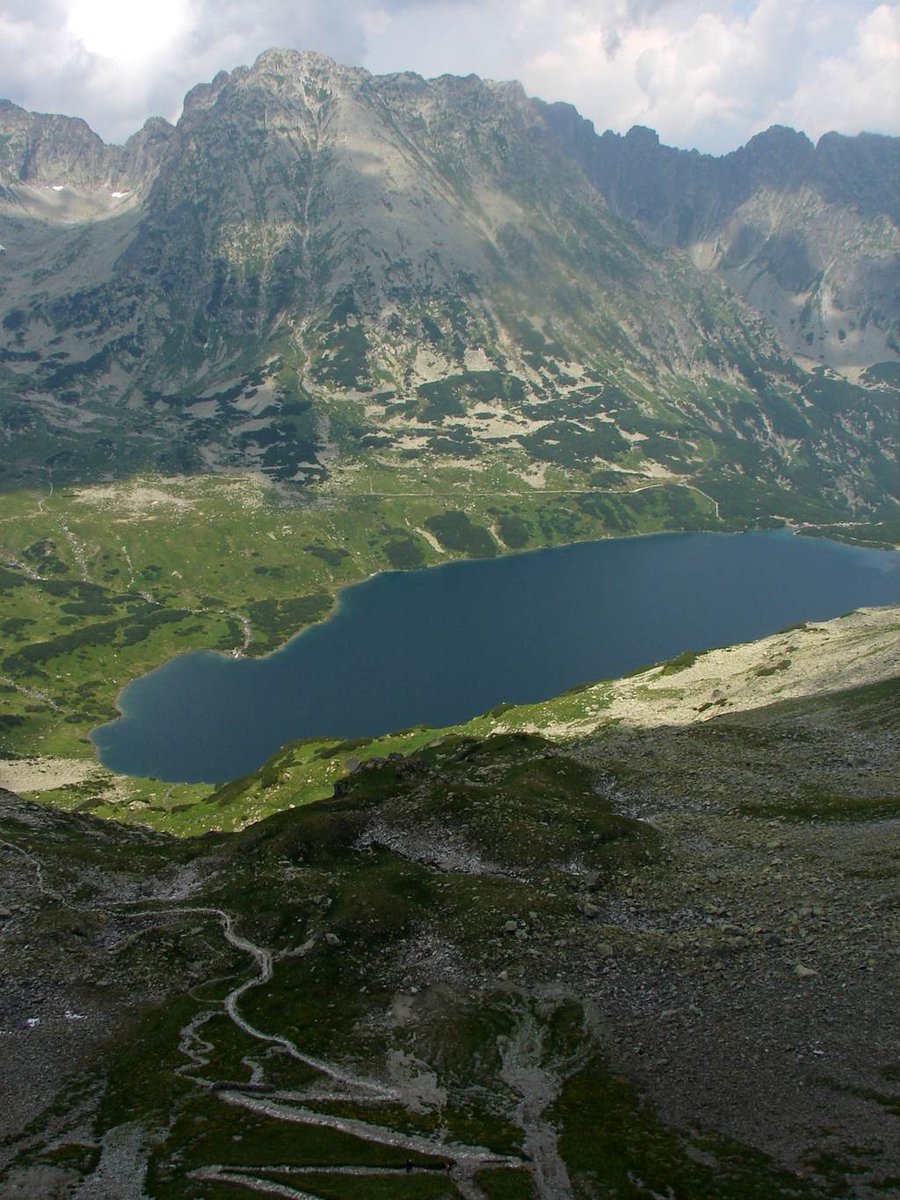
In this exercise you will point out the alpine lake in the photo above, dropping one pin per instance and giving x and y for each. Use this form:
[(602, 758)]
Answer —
[(437, 646)]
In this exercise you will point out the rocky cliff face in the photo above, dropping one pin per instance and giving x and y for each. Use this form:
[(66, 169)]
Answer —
[(42, 149), (38, 149), (403, 205), (807, 234), (311, 236)]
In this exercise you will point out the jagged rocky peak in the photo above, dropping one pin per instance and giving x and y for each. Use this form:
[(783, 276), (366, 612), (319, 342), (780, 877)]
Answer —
[(42, 148), (50, 150), (327, 175), (640, 137), (144, 151), (286, 63), (281, 72), (778, 141)]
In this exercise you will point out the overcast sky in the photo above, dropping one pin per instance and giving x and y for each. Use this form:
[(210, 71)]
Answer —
[(704, 73)]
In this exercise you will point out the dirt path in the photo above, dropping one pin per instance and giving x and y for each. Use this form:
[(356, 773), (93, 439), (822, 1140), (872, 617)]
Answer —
[(264, 964), (467, 1158), (259, 1179), (464, 1161), (538, 1087)]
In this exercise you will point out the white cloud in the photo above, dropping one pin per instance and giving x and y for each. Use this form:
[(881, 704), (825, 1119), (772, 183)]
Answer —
[(710, 75), (853, 88), (703, 72), (128, 34)]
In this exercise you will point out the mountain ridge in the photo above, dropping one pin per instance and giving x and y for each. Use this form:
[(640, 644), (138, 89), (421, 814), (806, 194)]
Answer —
[(705, 204), (317, 260)]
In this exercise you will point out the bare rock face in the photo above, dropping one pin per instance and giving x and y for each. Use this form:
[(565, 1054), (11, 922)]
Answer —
[(405, 192), (63, 153), (807, 234), (43, 149)]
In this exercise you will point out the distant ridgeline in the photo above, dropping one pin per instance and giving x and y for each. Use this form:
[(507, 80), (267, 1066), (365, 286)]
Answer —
[(318, 267)]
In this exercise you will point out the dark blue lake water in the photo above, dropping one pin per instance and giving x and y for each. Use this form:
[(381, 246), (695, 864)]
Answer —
[(438, 646)]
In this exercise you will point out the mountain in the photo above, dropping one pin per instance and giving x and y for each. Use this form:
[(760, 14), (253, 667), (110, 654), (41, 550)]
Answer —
[(319, 268), (655, 961), (38, 150), (806, 234)]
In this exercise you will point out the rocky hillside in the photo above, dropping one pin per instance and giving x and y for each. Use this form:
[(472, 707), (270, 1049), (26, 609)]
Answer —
[(656, 961), (318, 267), (39, 150)]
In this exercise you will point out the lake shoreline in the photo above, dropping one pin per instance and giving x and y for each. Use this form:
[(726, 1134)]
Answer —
[(375, 655), (787, 527)]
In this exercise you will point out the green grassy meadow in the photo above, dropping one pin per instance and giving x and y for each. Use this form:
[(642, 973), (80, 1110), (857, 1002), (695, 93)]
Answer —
[(100, 584)]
